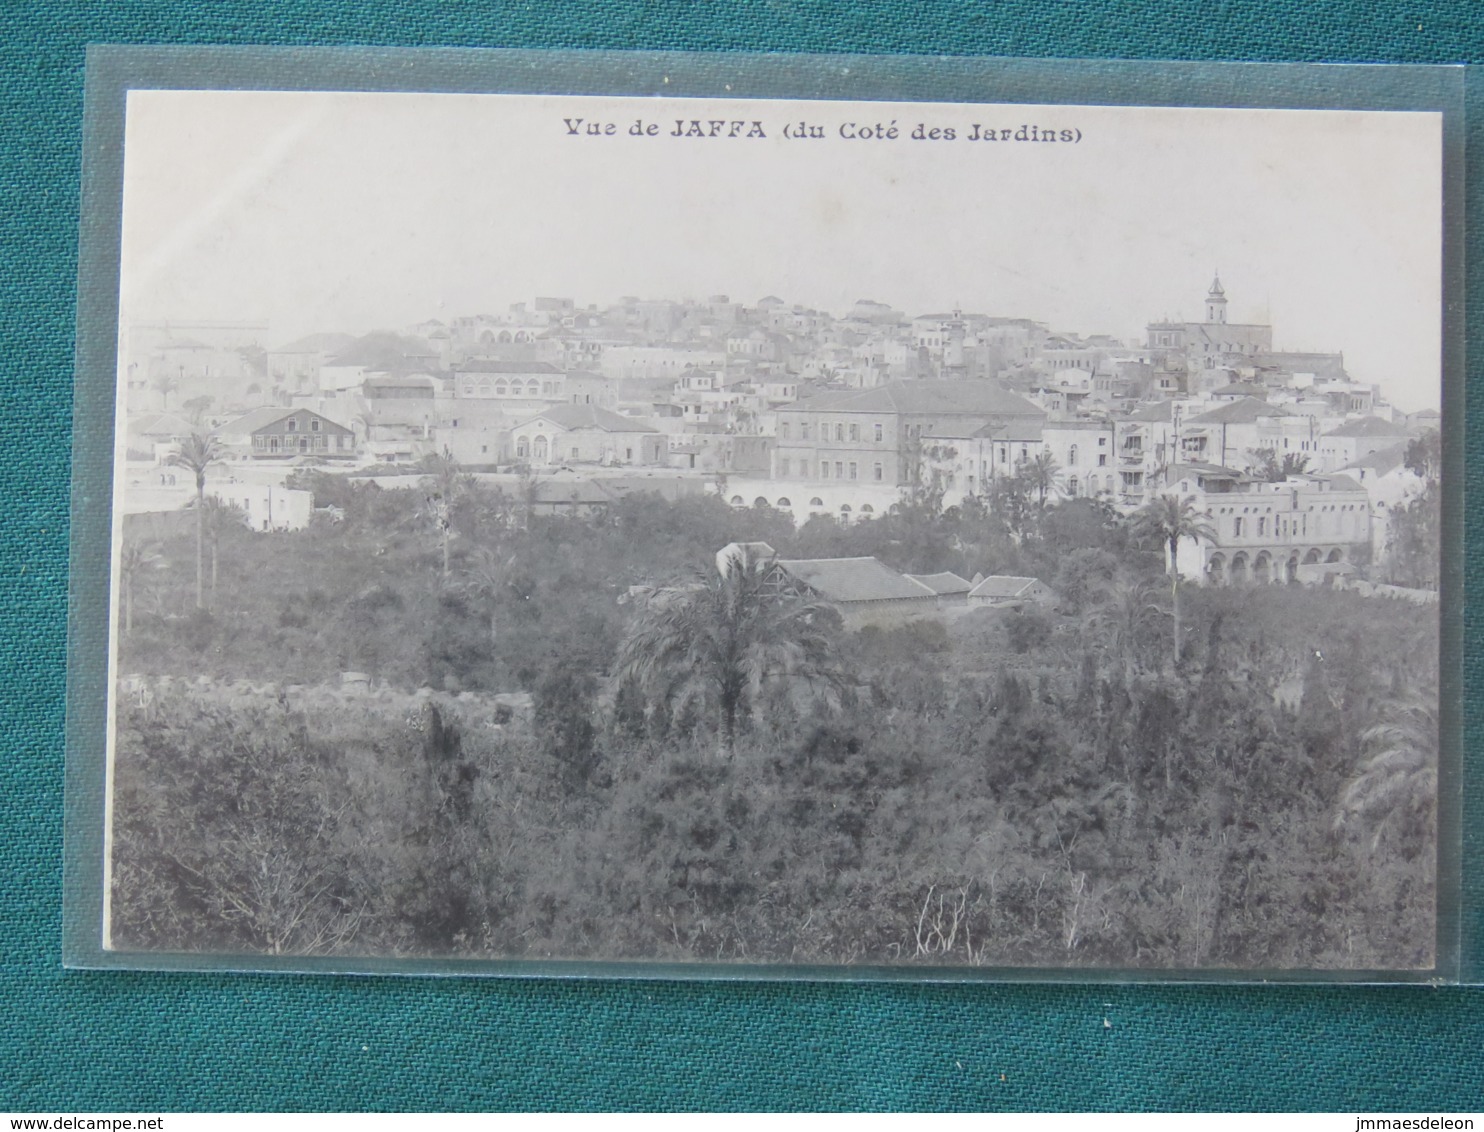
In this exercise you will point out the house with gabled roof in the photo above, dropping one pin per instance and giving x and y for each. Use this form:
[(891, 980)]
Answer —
[(1231, 433), (274, 432), (866, 591), (952, 591), (1006, 591), (587, 434), (1356, 439)]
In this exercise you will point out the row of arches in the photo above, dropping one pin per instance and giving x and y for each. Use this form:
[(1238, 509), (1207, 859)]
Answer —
[(1264, 567), (527, 449), (816, 504), (490, 338)]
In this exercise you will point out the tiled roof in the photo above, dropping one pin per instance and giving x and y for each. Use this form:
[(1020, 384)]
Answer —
[(1159, 411), (256, 419), (163, 424), (945, 583), (1245, 411), (853, 579), (1382, 460), (573, 417), (268, 415), (1368, 426), (1002, 585), (971, 398)]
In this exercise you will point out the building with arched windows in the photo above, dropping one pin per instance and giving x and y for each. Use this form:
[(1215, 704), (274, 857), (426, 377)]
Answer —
[(1263, 533), (587, 434), (497, 379)]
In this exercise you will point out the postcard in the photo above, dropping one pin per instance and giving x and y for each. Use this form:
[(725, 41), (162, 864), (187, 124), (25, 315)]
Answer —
[(747, 532)]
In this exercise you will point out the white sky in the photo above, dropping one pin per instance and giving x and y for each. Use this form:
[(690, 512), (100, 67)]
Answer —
[(356, 212)]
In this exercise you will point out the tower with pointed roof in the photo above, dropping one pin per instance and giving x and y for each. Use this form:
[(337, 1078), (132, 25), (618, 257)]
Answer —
[(1216, 302)]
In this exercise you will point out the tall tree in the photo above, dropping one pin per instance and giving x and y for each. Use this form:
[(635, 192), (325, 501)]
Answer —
[(221, 517), (1396, 783), (1170, 521), (136, 559), (1126, 619), (198, 452), (487, 578), (716, 644), (1040, 474), (444, 484)]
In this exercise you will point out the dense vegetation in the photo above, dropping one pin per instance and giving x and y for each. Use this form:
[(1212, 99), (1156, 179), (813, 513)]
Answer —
[(714, 777)]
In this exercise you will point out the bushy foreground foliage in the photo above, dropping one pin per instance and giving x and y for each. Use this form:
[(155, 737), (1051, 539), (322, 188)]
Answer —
[(714, 777)]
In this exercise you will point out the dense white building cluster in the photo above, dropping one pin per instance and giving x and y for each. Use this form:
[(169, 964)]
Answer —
[(804, 410)]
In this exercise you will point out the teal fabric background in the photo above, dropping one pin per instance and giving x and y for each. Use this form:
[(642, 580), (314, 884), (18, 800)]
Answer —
[(81, 1041)]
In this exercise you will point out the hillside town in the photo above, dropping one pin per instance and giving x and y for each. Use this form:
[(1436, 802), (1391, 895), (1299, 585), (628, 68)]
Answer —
[(1294, 465)]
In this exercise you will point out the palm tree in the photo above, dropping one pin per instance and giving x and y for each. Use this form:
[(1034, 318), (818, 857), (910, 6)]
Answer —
[(166, 384), (719, 642), (135, 559), (1170, 520), (221, 517), (1040, 474), (486, 578), (1129, 617), (198, 452), (444, 483), (1398, 777)]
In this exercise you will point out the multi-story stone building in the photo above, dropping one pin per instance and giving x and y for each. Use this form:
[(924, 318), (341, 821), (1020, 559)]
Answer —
[(878, 436), (1269, 532)]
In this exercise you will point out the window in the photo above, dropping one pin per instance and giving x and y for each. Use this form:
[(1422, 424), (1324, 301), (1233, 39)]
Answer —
[(1262, 527), (314, 425), (839, 469), (1237, 527), (293, 425), (1072, 458), (804, 431), (855, 434), (1102, 459), (816, 502), (878, 434), (852, 470), (455, 422), (824, 469), (1102, 442), (522, 448), (839, 432), (783, 467), (1071, 487), (879, 472), (575, 452), (783, 431), (628, 453)]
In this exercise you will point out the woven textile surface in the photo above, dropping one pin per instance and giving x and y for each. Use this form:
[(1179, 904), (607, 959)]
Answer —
[(80, 1042)]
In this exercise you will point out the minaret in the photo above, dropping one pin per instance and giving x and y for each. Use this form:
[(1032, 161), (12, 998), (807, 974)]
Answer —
[(1216, 302)]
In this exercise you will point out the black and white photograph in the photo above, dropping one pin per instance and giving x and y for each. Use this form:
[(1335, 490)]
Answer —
[(774, 533)]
